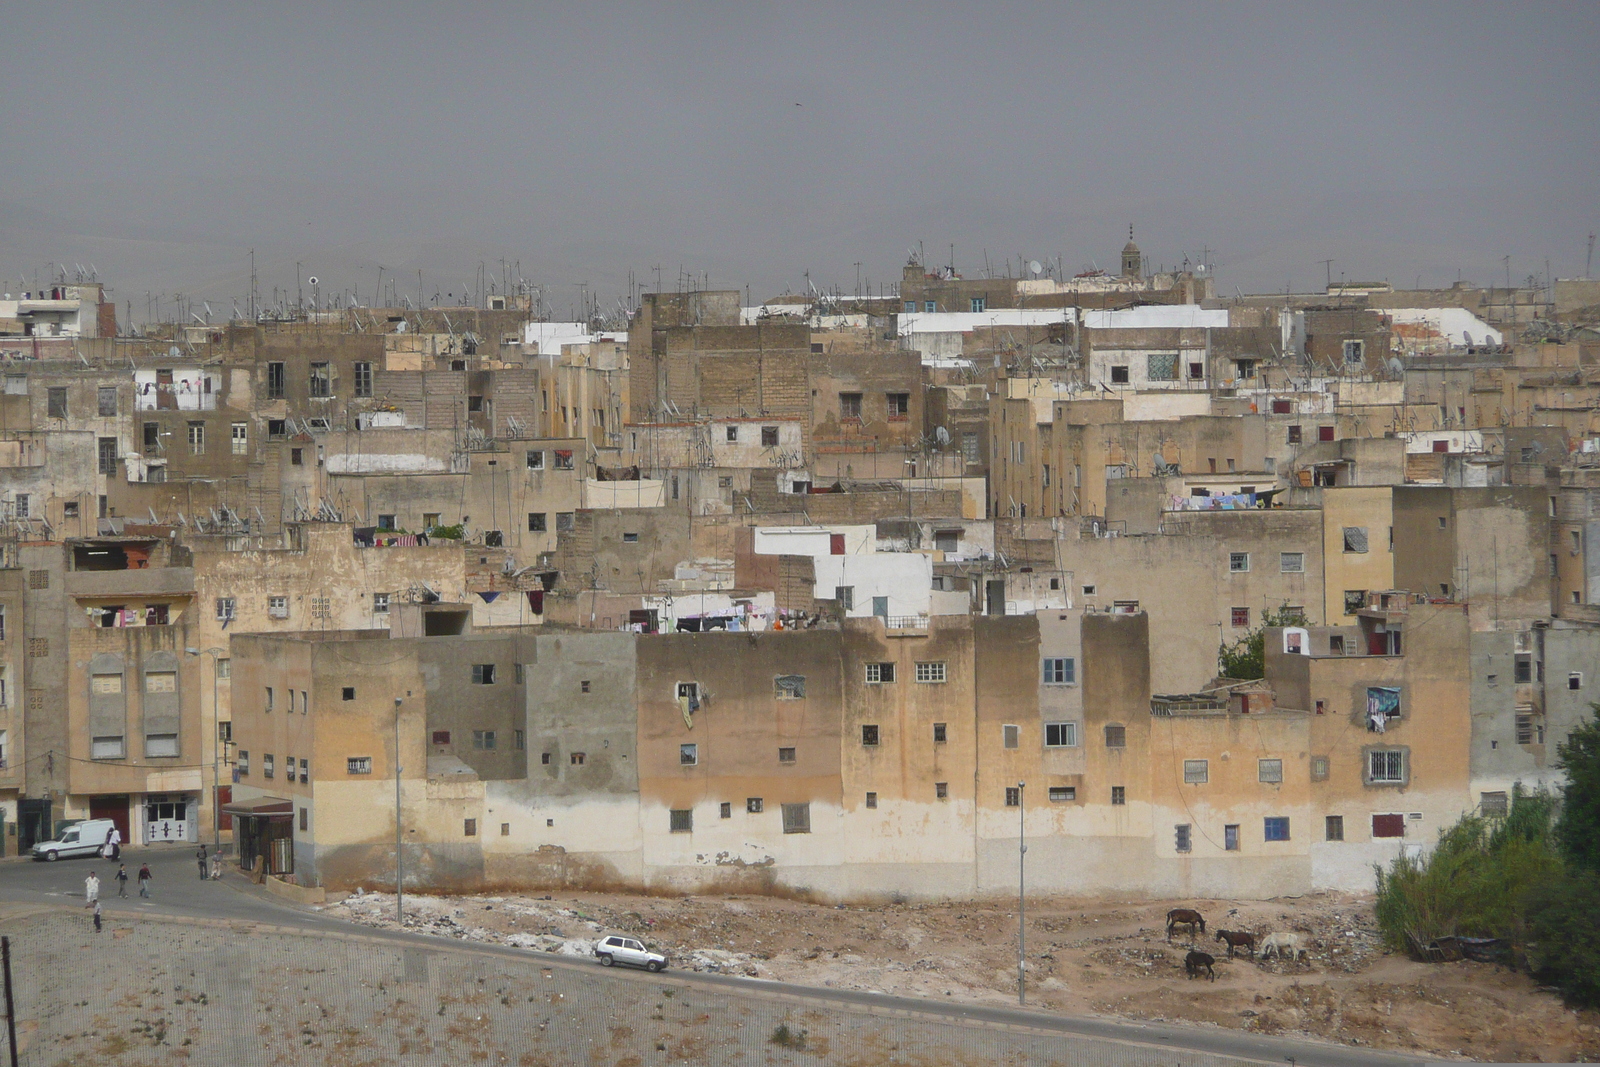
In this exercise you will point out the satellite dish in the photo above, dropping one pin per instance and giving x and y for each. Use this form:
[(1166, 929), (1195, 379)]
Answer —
[(1035, 267), (1466, 338), (1396, 367), (173, 352), (311, 280), (941, 435), (1159, 460)]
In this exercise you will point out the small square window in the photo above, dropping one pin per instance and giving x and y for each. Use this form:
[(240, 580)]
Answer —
[(1119, 375), (1239, 617), (1119, 795), (1010, 736), (769, 437), (1196, 771), (505, 829), (869, 734), (1389, 825), (1116, 736), (441, 737), (1238, 562), (538, 522), (583, 686), (1276, 828), (1319, 768), (872, 800), (483, 739), (797, 818), (1088, 590), (358, 765), (725, 810), (380, 603), (1269, 770), (1060, 735), (1060, 670), (630, 538), (1493, 803), (733, 434), (879, 673), (536, 460), (1013, 797), (1333, 828), (754, 805), (688, 755), (577, 759), (941, 790), (1575, 680), (544, 759), (483, 674), (941, 733), (1183, 838), (1292, 562), (785, 755)]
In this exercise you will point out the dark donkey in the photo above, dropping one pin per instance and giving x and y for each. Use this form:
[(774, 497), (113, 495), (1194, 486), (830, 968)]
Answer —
[(1195, 962), (1185, 917), (1238, 939)]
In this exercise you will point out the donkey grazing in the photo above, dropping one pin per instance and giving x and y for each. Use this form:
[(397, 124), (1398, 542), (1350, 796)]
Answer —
[(1195, 962), (1185, 917), (1238, 939)]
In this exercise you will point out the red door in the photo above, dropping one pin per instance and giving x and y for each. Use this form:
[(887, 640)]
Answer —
[(224, 798), (114, 808)]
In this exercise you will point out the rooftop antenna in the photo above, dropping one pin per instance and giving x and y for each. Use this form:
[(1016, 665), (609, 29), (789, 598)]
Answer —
[(1588, 261), (1327, 266)]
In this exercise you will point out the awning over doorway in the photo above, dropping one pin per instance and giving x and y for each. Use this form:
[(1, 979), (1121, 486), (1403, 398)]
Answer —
[(261, 807)]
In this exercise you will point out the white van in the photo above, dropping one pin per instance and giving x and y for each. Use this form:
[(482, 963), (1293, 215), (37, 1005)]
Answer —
[(85, 838)]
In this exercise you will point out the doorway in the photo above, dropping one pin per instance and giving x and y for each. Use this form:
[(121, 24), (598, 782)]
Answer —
[(114, 807)]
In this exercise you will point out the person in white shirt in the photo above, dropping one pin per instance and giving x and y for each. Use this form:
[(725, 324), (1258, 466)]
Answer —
[(91, 890)]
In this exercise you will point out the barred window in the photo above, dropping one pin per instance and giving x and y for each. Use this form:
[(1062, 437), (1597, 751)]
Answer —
[(1196, 771), (797, 818), (1269, 770), (681, 820)]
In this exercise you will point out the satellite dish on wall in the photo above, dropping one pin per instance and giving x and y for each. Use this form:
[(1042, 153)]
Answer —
[(1035, 267), (174, 352), (941, 435), (1159, 459)]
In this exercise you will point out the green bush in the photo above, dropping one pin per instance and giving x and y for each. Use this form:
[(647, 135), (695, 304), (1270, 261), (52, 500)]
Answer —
[(1245, 659), (1531, 878), (1476, 881), (446, 533)]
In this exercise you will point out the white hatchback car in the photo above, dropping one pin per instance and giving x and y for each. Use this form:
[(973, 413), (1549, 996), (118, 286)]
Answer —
[(617, 949)]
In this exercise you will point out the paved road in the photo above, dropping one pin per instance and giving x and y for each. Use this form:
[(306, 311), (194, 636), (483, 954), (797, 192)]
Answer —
[(177, 891)]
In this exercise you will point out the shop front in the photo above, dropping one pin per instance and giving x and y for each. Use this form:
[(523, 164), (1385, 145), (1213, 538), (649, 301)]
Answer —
[(264, 827)]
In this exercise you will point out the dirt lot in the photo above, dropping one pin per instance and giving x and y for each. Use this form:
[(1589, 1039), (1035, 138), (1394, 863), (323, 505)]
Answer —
[(1083, 958)]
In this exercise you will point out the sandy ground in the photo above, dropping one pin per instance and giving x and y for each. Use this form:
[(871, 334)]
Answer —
[(1084, 957)]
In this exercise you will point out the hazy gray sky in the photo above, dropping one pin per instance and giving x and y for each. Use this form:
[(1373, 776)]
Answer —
[(755, 142)]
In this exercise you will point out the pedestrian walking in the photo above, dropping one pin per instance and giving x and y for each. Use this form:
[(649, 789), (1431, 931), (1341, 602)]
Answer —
[(97, 916), (91, 890), (122, 880), (200, 858), (144, 880), (114, 842), (216, 868)]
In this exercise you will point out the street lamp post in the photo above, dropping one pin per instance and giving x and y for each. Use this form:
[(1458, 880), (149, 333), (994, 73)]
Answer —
[(1022, 897), (399, 891), (216, 750)]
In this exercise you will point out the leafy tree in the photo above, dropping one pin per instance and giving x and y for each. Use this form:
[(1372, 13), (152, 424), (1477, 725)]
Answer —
[(1245, 659), (1578, 832)]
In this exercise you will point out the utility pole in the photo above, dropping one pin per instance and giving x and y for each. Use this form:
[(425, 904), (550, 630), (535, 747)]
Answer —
[(399, 891), (11, 1006), (1022, 896), (1327, 268), (216, 751)]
